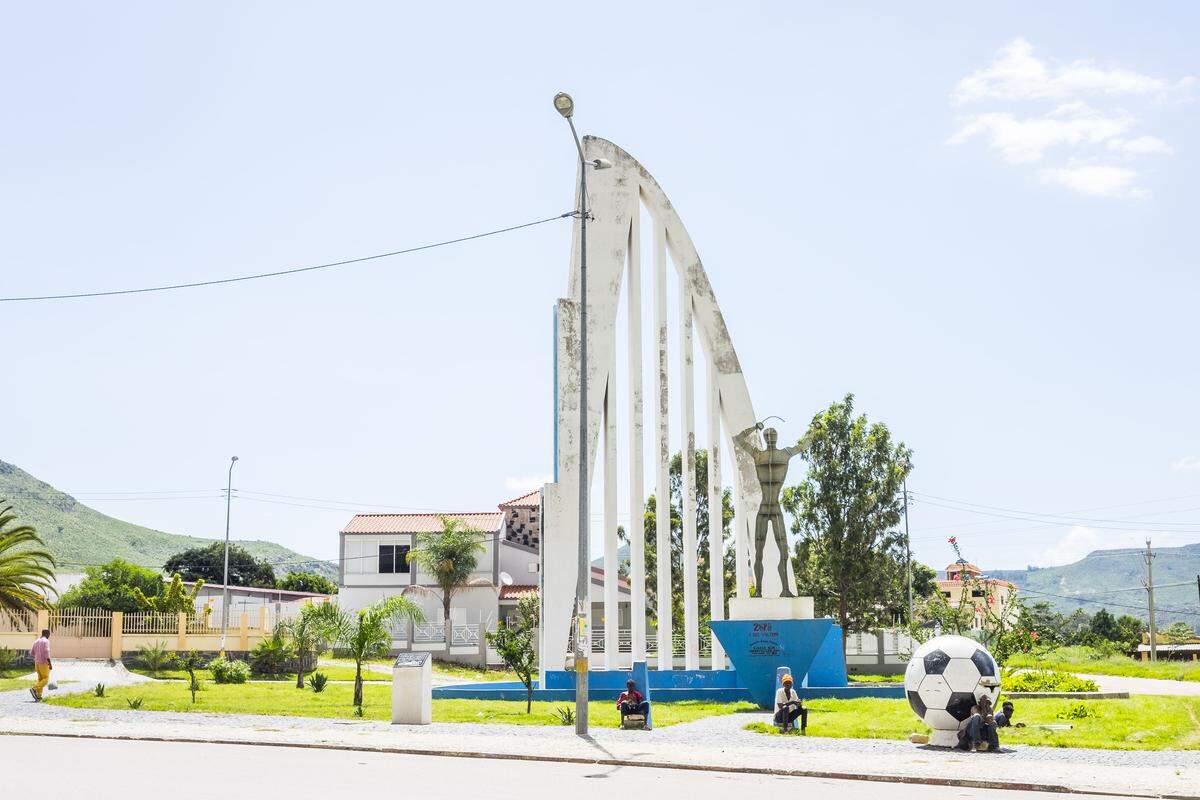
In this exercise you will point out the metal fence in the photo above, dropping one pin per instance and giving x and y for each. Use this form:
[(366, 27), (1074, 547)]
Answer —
[(18, 621), (81, 623)]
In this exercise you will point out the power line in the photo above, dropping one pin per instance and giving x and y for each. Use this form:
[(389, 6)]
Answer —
[(282, 272), (1038, 514)]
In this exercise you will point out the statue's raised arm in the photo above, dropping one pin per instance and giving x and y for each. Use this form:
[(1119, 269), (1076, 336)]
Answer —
[(748, 439), (806, 441)]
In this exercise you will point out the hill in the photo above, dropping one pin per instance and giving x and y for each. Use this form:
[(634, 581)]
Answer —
[(1096, 576), (78, 535)]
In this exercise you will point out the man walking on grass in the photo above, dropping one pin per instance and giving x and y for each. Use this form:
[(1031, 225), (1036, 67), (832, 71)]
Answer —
[(40, 652)]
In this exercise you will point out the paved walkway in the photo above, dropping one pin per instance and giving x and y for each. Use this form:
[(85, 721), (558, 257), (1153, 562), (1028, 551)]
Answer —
[(1116, 683), (76, 676), (713, 743)]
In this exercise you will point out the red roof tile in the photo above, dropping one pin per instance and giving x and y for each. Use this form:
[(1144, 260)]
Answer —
[(486, 521), (517, 591), (531, 500)]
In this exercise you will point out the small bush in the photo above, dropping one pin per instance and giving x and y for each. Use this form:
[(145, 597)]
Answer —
[(134, 703), (8, 659), (1048, 681), (566, 715), (154, 658), (99, 690), (358, 712), (317, 681), (225, 670), (1077, 711), (273, 656)]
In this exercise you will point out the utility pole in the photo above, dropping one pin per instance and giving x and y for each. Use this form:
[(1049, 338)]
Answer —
[(1149, 556), (907, 547), (225, 573)]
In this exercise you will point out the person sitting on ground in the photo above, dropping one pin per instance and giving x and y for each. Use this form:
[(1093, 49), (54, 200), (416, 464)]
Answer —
[(789, 706), (631, 701), (1004, 718), (979, 732)]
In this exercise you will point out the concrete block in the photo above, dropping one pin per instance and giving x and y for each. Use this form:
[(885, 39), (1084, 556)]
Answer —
[(770, 608), (412, 689)]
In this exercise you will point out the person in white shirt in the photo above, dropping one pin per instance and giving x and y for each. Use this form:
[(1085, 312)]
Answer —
[(789, 706)]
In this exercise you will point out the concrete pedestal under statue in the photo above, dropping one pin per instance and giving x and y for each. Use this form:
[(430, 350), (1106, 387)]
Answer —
[(412, 689)]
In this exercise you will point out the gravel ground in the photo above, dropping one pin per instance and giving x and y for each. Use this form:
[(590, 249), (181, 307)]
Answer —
[(712, 742)]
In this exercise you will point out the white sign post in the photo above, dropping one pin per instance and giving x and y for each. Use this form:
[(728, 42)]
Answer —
[(412, 689)]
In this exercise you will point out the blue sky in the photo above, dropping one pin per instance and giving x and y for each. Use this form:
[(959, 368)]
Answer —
[(981, 221)]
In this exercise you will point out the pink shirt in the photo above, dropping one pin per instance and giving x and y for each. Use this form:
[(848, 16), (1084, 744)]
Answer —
[(40, 651)]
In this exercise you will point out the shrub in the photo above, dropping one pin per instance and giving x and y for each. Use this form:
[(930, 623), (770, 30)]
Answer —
[(566, 715), (8, 659), (99, 690), (1078, 711), (154, 658), (317, 681), (1048, 681), (225, 670), (358, 712), (134, 703), (272, 656)]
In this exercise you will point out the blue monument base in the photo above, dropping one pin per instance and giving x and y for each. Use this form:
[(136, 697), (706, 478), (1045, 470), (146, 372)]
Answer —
[(666, 686), (811, 649)]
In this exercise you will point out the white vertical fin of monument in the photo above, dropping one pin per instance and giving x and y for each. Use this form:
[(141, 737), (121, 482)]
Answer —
[(611, 615), (687, 390), (716, 517), (636, 530), (662, 493)]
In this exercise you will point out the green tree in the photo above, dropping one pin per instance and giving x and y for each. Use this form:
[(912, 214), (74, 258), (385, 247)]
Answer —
[(1104, 626), (208, 564), (650, 537), (450, 556), (366, 633), (850, 557), (1178, 632), (310, 633), (1131, 629), (26, 567), (189, 662), (173, 599), (515, 643), (115, 586), (307, 582)]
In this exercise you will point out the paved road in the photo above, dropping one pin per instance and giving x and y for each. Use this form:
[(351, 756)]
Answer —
[(1116, 683), (110, 770)]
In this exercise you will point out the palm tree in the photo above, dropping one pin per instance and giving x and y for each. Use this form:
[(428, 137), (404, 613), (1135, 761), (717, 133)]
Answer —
[(366, 633), (450, 555), (311, 632), (26, 567)]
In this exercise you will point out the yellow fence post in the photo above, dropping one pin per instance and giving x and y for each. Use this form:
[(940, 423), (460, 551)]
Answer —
[(262, 619), (245, 631), (43, 621), (181, 644), (118, 626)]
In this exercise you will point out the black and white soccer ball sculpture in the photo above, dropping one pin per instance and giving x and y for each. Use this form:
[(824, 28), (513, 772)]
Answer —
[(944, 678)]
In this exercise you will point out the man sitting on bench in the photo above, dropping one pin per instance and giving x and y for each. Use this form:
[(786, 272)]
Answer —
[(789, 706), (631, 701)]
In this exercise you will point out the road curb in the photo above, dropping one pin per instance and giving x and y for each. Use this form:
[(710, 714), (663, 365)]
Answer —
[(619, 762)]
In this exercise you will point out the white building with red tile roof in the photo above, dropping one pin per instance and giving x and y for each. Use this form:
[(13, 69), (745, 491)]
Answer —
[(373, 557)]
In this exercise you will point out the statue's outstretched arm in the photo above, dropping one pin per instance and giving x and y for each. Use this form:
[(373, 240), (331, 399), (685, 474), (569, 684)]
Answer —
[(748, 439), (806, 441)]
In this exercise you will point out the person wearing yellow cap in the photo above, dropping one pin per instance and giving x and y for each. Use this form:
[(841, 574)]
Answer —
[(789, 706)]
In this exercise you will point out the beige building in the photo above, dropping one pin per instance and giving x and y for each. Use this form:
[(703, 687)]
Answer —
[(966, 582)]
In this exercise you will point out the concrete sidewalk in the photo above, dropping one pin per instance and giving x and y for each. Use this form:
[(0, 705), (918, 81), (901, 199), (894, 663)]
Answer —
[(1155, 686), (715, 743)]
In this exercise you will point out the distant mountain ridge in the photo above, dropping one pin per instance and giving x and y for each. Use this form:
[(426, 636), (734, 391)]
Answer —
[(78, 535)]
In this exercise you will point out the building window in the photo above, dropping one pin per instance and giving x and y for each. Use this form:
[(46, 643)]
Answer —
[(976, 593), (945, 594), (393, 559)]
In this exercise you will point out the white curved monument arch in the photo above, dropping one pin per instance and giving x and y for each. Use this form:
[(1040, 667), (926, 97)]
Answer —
[(614, 261)]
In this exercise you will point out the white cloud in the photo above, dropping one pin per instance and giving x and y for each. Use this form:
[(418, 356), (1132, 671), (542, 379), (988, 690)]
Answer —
[(1186, 464), (1141, 146), (1021, 141), (1017, 74), (1097, 180), (1099, 145), (526, 483)]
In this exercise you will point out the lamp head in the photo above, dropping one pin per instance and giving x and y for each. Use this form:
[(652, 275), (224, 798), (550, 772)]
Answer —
[(564, 105), (601, 163), (233, 459)]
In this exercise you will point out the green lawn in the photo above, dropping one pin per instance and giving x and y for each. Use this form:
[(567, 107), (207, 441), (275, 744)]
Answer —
[(1089, 661), (1139, 723), (11, 679), (877, 678), (286, 700)]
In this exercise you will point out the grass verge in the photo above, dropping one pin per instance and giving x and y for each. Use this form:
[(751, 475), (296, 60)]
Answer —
[(1139, 723), (1092, 662), (285, 700), (333, 673)]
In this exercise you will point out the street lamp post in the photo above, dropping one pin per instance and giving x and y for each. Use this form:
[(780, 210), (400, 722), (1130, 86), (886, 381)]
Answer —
[(225, 574), (566, 107), (907, 546)]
